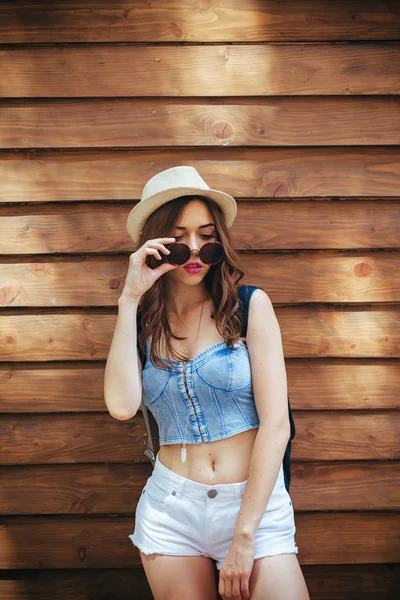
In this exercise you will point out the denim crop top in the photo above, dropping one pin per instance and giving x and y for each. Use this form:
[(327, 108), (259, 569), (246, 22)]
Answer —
[(219, 382)]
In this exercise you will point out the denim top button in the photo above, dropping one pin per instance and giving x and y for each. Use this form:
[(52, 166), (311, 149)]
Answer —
[(212, 493)]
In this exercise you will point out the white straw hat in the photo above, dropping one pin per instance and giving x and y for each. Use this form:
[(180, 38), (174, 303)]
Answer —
[(170, 184)]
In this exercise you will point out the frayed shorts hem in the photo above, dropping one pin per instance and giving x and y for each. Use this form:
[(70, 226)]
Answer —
[(148, 551), (168, 553), (268, 553), (260, 553)]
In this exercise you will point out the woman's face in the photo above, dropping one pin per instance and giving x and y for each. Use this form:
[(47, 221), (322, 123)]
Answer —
[(195, 228)]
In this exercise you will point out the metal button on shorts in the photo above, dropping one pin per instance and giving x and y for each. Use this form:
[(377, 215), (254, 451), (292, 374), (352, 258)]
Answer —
[(212, 493)]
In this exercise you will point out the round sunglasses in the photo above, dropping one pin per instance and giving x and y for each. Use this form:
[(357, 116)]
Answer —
[(210, 254)]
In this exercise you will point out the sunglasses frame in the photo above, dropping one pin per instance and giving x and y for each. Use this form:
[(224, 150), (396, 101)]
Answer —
[(167, 257)]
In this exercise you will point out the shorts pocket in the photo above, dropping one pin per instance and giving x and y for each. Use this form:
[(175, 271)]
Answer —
[(156, 495)]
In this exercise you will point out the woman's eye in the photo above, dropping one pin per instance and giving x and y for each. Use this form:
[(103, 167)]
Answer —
[(205, 236)]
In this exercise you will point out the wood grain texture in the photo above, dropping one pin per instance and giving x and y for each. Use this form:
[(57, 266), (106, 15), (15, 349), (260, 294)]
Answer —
[(329, 435), (289, 278), (93, 584), (227, 20), (71, 438), (120, 70), (79, 542), (90, 489), (314, 384), (293, 108), (261, 225), (70, 175), (366, 581), (307, 331), (206, 122), (325, 384)]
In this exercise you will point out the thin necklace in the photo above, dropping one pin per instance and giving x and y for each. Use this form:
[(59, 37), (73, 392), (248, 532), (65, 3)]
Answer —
[(183, 444)]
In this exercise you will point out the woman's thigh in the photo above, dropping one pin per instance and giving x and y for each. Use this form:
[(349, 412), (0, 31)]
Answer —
[(180, 577), (278, 578)]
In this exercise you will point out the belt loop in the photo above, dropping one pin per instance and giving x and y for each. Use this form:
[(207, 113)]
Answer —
[(182, 485), (179, 486)]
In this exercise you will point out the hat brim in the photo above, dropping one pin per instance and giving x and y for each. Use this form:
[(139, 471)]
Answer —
[(143, 209)]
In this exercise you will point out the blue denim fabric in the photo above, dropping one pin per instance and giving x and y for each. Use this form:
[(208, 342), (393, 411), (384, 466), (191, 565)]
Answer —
[(219, 381)]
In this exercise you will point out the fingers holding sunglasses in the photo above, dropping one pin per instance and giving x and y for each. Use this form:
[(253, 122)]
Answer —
[(140, 276), (154, 246), (153, 251)]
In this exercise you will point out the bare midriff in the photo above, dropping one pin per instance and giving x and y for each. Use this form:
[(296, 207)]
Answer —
[(221, 461)]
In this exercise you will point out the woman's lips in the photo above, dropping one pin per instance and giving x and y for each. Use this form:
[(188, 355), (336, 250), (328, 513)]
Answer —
[(193, 269)]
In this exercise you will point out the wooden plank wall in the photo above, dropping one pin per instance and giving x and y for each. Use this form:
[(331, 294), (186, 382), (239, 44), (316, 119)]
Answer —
[(291, 107)]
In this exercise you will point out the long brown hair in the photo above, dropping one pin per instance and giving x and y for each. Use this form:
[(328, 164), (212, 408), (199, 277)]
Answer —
[(221, 282)]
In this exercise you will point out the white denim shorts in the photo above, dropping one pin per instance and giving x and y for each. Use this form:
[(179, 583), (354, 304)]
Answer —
[(182, 517)]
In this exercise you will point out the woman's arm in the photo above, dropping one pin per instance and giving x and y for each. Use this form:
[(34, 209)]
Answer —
[(264, 344), (123, 372), (266, 459), (268, 372)]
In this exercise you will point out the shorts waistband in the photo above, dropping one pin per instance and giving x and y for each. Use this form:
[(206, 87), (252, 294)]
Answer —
[(194, 489)]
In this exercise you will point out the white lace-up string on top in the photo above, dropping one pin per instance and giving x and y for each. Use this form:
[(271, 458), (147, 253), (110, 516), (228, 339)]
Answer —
[(183, 444)]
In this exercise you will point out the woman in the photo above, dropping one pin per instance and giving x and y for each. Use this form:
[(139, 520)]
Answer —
[(217, 490)]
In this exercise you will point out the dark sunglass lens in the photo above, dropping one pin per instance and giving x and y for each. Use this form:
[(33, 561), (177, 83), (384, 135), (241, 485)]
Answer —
[(211, 253), (179, 253)]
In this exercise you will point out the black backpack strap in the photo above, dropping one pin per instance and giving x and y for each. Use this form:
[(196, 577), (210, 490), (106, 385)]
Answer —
[(245, 292)]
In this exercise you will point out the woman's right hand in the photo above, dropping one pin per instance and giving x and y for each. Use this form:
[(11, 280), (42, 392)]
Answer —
[(140, 276)]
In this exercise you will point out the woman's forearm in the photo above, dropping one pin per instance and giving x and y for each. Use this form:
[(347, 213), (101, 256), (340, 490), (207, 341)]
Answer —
[(122, 381), (265, 463)]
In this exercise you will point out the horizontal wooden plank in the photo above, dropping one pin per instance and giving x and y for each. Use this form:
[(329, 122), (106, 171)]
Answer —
[(116, 488), (346, 384), (102, 542), (92, 584), (307, 331), (324, 582), (283, 69), (87, 489), (72, 438), (133, 21), (288, 278), (174, 122), (76, 438), (259, 225), (40, 175)]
